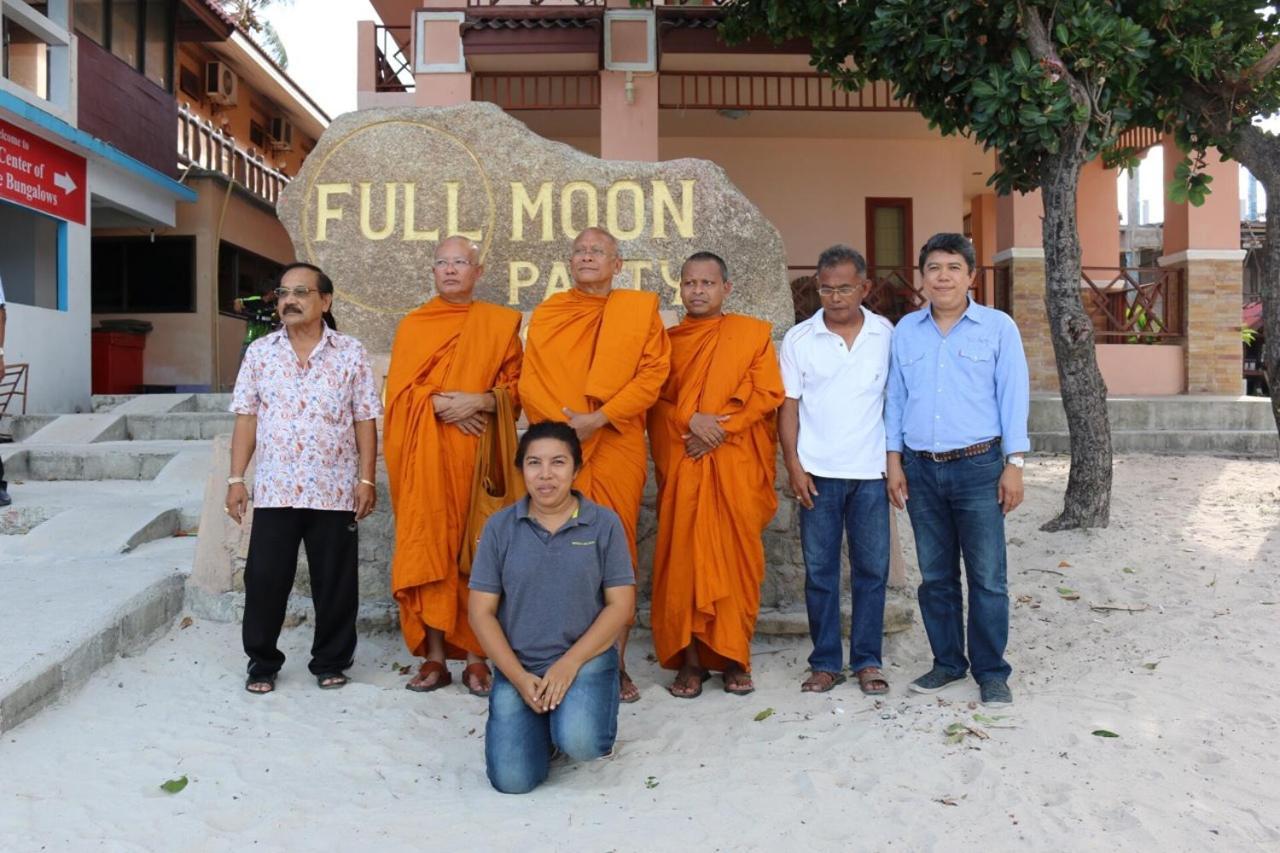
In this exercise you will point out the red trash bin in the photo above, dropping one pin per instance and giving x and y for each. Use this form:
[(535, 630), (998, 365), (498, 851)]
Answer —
[(117, 361)]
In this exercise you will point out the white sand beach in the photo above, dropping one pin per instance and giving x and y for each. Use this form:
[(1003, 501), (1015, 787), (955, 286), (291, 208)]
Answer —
[(1188, 683)]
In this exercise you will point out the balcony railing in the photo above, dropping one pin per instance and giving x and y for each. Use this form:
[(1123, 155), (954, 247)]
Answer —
[(795, 91), (393, 72), (1135, 305), (565, 90), (203, 146)]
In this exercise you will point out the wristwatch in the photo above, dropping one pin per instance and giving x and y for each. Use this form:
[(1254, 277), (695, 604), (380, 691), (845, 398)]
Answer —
[(1015, 460)]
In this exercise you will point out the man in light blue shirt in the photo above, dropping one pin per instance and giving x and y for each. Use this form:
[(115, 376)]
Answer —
[(955, 432)]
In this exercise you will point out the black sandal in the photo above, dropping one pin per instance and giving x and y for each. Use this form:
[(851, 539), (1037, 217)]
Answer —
[(269, 680), (335, 679)]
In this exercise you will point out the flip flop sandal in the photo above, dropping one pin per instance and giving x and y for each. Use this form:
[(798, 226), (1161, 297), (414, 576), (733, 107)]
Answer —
[(623, 681), (476, 673), (336, 680), (739, 688), (700, 677), (869, 675), (836, 678), (443, 680), (269, 680)]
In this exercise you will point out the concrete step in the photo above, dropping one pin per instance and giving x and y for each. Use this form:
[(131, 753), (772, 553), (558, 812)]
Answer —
[(1163, 413), (22, 427), (179, 426), (99, 462), (1239, 442), (63, 619)]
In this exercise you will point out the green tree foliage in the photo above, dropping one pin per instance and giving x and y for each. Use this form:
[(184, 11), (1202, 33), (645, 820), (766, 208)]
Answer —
[(1049, 86)]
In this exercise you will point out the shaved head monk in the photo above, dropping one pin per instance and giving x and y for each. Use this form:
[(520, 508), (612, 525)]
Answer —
[(714, 443), (454, 367), (596, 358)]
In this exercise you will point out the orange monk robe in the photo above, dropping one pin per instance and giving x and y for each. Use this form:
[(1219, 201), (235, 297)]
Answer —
[(607, 353), (439, 347), (712, 511)]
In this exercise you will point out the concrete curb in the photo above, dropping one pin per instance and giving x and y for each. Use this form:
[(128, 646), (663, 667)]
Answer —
[(133, 626)]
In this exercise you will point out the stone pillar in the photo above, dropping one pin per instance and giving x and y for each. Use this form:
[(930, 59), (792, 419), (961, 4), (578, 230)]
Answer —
[(1203, 243), (1019, 251), (439, 67), (629, 85)]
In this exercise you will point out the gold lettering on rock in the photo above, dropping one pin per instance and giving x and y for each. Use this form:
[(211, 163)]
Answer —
[(389, 218), (522, 206), (520, 274), (325, 213), (664, 204), (586, 191), (451, 214), (410, 233), (611, 210), (672, 281)]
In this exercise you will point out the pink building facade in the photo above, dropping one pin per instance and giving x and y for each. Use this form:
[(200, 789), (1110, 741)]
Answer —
[(825, 166)]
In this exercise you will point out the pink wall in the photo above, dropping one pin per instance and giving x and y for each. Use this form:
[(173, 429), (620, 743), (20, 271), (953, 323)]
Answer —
[(1213, 225), (1098, 216), (628, 131), (813, 190), (1142, 370), (982, 219), (1018, 221)]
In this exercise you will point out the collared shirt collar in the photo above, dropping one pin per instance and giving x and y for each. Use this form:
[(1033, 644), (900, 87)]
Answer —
[(973, 311), (584, 514), (327, 335)]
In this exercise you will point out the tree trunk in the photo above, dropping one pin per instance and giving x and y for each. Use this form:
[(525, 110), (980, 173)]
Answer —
[(1084, 394), (1259, 152)]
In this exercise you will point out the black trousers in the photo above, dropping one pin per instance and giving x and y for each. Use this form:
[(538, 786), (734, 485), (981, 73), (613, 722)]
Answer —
[(3, 484), (332, 553)]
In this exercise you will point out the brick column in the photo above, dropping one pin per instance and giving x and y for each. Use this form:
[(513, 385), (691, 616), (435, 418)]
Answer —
[(1204, 244), (1018, 249)]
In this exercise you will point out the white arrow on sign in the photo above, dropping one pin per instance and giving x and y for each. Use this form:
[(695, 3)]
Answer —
[(63, 182)]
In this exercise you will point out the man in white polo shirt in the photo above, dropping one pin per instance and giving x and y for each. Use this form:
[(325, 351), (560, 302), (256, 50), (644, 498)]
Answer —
[(834, 367)]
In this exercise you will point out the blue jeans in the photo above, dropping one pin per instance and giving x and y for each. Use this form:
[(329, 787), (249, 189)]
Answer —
[(954, 511), (518, 742), (858, 509)]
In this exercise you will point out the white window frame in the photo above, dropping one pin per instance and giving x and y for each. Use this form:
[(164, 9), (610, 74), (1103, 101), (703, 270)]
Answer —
[(53, 29)]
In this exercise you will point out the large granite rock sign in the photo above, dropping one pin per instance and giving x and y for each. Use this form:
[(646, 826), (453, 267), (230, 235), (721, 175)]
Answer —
[(384, 186)]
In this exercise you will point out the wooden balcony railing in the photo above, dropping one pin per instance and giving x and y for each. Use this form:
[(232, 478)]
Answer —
[(566, 90), (393, 72), (205, 147), (1135, 305), (794, 91)]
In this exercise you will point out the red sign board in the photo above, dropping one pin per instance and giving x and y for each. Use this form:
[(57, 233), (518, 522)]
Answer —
[(37, 174)]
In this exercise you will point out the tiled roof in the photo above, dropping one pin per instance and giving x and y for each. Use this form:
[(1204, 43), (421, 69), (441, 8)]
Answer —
[(503, 23), (216, 8)]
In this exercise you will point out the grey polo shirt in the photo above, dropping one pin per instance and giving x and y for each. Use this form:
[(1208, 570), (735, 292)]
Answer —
[(552, 584)]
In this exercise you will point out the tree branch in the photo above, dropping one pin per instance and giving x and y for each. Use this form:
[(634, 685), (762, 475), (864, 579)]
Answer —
[(1041, 47), (1263, 66)]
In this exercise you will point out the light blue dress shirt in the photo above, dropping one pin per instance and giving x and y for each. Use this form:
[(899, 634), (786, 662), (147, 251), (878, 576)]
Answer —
[(959, 389)]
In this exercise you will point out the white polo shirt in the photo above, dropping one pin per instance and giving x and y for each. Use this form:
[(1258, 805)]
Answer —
[(841, 394)]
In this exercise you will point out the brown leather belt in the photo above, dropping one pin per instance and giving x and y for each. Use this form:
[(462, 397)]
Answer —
[(962, 453)]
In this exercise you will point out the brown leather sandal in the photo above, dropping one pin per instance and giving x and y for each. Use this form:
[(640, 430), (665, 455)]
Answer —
[(443, 678), (689, 682), (872, 681), (478, 673), (821, 681)]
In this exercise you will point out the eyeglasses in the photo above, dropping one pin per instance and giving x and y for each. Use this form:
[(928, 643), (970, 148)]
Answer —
[(594, 252), (443, 263), (299, 292), (844, 290)]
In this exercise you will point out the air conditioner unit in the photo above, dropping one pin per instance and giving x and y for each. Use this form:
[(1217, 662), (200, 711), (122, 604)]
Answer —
[(220, 83), (281, 134)]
